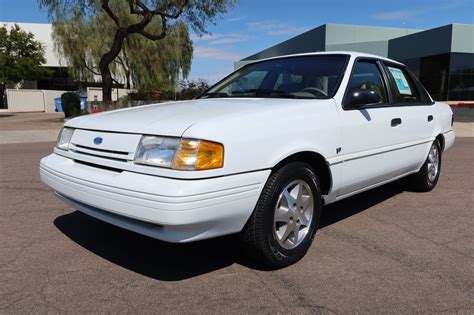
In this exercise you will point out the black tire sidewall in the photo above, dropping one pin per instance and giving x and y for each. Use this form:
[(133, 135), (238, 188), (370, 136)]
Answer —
[(294, 171)]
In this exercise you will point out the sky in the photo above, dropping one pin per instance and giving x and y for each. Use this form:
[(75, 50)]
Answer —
[(252, 26)]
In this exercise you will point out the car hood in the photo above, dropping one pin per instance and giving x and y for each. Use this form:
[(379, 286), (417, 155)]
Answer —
[(172, 119)]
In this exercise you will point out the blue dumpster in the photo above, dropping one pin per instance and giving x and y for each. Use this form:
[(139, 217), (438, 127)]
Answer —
[(59, 106), (83, 104)]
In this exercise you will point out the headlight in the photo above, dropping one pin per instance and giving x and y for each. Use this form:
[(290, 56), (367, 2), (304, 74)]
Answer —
[(180, 154), (64, 138)]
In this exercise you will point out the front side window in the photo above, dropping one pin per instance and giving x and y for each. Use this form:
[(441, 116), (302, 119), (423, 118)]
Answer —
[(308, 77), (366, 76), (403, 88)]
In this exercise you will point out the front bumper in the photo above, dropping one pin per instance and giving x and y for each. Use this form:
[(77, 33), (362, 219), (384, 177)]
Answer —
[(173, 210)]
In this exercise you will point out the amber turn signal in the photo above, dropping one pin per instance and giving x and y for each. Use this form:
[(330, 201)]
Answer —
[(198, 155)]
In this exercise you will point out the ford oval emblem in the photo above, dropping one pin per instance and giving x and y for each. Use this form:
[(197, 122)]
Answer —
[(97, 140)]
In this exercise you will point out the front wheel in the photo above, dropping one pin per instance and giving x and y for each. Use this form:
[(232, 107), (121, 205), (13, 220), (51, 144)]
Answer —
[(283, 224), (427, 177)]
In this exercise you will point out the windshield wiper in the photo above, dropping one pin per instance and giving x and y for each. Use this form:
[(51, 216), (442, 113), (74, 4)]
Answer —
[(267, 92)]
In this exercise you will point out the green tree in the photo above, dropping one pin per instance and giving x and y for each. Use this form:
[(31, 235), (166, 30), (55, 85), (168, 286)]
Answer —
[(131, 21), (83, 42), (21, 57)]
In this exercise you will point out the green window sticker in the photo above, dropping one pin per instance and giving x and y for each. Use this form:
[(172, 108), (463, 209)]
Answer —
[(401, 81)]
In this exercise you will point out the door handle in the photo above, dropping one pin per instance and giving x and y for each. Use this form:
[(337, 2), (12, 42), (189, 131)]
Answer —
[(430, 118), (395, 122)]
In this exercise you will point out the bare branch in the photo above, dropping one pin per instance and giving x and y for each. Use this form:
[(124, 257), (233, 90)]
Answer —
[(117, 81), (91, 69), (121, 62), (164, 30), (169, 15), (152, 36), (143, 7), (124, 52), (106, 7), (133, 9), (148, 16), (137, 27)]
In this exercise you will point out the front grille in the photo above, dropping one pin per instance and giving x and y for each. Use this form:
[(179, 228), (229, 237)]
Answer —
[(101, 150), (120, 156), (116, 150), (98, 155)]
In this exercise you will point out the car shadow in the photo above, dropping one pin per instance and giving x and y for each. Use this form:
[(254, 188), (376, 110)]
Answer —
[(348, 207), (173, 262)]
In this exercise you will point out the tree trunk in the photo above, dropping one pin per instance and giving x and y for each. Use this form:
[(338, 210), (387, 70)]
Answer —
[(127, 73), (106, 83), (105, 62), (2, 95)]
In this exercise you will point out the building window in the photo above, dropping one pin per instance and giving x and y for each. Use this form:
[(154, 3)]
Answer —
[(461, 77), (434, 75), (447, 77)]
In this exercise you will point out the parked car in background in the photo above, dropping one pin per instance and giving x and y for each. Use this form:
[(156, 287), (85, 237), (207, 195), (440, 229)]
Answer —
[(258, 154)]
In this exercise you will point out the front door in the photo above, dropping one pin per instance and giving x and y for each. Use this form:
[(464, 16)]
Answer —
[(371, 135)]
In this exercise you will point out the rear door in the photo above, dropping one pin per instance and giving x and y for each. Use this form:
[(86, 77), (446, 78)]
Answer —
[(371, 134), (417, 115)]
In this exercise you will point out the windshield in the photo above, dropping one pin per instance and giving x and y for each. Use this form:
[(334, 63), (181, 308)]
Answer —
[(310, 77)]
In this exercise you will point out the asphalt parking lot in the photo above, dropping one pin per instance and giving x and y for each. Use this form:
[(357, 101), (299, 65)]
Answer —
[(386, 250)]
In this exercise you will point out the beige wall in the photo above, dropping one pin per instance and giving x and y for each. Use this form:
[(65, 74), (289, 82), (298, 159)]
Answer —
[(23, 100)]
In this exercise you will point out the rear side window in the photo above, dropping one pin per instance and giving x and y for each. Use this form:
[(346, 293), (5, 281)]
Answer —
[(366, 75), (425, 96), (403, 88)]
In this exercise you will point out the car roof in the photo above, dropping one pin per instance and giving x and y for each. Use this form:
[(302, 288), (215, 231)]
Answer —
[(353, 54)]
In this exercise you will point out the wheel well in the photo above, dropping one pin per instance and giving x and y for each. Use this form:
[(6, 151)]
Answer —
[(317, 162), (440, 137)]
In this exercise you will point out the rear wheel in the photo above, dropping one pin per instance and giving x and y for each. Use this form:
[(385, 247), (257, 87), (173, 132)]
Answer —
[(427, 177), (286, 217)]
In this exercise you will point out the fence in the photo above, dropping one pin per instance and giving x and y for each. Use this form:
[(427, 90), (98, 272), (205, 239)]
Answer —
[(24, 100)]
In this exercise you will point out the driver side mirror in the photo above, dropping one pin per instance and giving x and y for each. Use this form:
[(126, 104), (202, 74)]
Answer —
[(358, 98)]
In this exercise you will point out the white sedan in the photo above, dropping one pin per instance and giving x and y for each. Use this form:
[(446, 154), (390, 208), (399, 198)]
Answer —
[(258, 154)]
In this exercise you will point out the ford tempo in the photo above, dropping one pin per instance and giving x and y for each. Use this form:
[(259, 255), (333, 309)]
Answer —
[(259, 154)]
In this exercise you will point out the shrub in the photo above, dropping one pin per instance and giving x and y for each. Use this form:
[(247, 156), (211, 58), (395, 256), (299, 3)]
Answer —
[(71, 103)]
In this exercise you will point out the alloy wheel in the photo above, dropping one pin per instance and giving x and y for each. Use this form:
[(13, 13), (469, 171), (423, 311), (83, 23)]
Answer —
[(433, 163), (293, 214)]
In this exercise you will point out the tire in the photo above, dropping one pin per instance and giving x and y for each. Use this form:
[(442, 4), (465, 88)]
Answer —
[(427, 177), (269, 236)]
